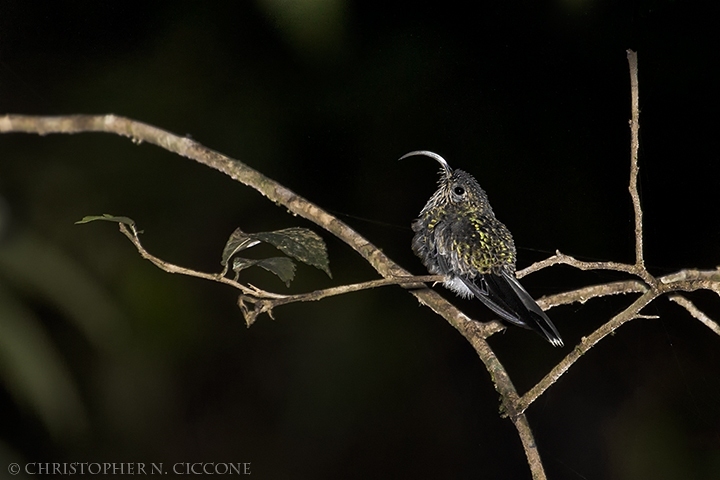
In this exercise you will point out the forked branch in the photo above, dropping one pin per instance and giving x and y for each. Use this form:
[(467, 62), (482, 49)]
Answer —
[(264, 301), (254, 301)]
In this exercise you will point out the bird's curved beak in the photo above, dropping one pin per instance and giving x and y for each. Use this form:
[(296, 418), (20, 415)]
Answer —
[(447, 171)]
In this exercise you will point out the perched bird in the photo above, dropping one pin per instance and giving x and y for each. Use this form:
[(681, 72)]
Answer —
[(457, 235)]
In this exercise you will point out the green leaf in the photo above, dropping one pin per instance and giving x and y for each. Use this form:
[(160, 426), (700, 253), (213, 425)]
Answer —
[(283, 267), (237, 242), (301, 244), (108, 218)]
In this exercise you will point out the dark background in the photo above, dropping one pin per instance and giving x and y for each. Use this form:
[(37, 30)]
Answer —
[(105, 358)]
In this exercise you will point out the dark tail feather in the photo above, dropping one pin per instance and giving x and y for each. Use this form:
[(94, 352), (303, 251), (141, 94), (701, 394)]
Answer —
[(504, 295)]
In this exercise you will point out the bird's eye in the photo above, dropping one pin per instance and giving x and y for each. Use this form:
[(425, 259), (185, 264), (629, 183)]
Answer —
[(458, 190)]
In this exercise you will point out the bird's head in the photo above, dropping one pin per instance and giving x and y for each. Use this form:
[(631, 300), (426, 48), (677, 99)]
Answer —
[(456, 187)]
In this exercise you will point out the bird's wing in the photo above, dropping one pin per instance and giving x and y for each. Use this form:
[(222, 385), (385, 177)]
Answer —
[(504, 295)]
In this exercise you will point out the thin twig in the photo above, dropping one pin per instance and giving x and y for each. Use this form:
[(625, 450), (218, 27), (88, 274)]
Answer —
[(585, 344), (253, 293), (562, 259), (634, 148), (582, 295), (696, 312), (696, 280), (131, 233)]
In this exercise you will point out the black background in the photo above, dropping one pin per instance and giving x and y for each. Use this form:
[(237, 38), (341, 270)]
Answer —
[(532, 98)]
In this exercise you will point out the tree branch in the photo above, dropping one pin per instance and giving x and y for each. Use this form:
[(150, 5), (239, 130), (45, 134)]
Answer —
[(582, 295), (634, 148), (687, 280), (695, 312), (139, 132), (562, 259), (254, 301), (266, 301)]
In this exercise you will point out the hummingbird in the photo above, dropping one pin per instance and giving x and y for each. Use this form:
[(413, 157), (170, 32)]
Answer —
[(457, 235)]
